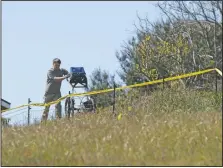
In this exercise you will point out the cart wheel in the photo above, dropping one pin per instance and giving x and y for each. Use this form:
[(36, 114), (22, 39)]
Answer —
[(67, 107)]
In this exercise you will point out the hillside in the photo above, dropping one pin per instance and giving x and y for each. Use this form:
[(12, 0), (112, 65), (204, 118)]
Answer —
[(176, 128)]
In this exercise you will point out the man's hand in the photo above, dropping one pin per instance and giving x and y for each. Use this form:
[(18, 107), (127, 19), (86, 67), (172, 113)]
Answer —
[(59, 79), (67, 76)]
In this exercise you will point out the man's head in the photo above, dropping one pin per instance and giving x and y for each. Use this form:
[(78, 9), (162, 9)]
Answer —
[(56, 63)]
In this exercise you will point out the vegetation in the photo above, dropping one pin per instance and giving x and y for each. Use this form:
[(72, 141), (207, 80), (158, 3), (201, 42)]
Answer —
[(176, 126), (5, 121), (181, 128), (99, 80), (188, 38)]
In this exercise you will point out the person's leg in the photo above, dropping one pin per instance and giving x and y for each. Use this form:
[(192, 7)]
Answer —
[(47, 99), (58, 107), (45, 113)]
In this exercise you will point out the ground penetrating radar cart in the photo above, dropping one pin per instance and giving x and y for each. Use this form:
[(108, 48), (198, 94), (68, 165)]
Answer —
[(86, 103)]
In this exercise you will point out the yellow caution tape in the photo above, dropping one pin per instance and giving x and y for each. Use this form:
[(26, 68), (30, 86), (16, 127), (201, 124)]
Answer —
[(218, 71), (120, 88), (119, 116)]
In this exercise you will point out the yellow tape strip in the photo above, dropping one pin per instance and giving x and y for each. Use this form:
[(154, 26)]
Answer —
[(218, 71), (120, 88)]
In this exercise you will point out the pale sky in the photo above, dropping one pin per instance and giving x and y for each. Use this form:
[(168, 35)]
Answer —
[(79, 33)]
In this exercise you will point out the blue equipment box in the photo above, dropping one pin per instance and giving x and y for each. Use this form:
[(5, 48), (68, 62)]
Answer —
[(79, 70)]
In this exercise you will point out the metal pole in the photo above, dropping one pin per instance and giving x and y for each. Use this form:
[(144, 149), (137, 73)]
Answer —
[(29, 101), (114, 99), (216, 82), (215, 60), (163, 83)]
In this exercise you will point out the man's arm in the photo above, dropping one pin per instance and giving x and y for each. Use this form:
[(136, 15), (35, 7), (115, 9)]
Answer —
[(58, 79), (52, 77), (65, 72)]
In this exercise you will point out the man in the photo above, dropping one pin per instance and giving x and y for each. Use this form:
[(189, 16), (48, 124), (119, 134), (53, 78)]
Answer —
[(55, 76)]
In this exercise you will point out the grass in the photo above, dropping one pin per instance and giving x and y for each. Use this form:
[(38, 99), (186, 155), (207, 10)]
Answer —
[(170, 128)]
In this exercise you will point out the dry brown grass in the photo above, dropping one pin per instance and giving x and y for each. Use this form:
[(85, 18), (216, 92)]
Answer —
[(178, 129)]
